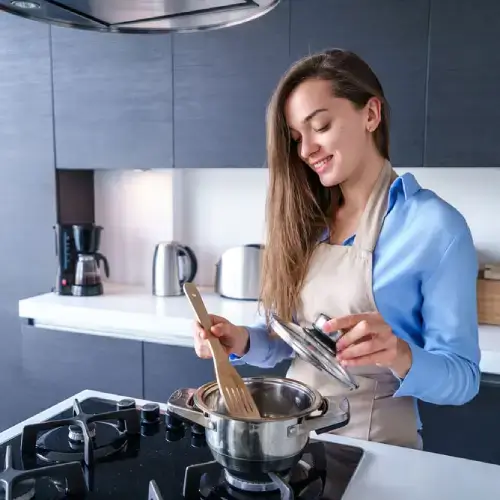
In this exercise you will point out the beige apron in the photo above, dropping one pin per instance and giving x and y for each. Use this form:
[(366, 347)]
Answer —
[(338, 283)]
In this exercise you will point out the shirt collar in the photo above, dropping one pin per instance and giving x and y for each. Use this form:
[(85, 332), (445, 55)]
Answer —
[(405, 184)]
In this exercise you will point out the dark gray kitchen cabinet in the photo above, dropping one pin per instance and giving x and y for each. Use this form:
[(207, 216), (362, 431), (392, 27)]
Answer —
[(112, 100), (223, 80), (391, 36), (66, 362), (27, 183), (469, 431), (464, 71), (168, 368)]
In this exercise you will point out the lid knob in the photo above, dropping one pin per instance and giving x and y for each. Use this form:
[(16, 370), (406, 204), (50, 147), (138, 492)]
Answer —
[(319, 324)]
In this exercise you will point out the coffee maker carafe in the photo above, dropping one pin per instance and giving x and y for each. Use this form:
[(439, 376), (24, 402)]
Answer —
[(87, 282)]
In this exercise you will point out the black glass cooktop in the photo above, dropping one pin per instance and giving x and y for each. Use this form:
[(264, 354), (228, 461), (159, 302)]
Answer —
[(133, 455)]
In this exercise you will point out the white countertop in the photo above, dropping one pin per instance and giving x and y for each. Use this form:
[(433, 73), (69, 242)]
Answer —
[(134, 313), (385, 472)]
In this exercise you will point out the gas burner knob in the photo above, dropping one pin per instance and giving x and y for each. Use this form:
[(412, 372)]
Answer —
[(148, 429), (172, 435), (150, 413), (173, 422), (198, 440), (125, 404), (198, 429)]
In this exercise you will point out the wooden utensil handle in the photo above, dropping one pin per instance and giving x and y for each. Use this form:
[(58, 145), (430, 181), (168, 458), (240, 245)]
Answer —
[(194, 298), (198, 306)]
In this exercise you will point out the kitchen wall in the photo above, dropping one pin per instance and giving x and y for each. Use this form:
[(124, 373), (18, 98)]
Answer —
[(214, 209), (135, 208)]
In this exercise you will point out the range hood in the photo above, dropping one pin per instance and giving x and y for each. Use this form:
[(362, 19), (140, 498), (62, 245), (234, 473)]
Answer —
[(140, 16)]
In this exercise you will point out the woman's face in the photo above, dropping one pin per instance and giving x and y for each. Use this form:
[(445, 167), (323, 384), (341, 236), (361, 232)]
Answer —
[(331, 135)]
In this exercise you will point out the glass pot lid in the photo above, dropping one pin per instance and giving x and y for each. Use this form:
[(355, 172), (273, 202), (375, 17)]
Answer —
[(314, 347)]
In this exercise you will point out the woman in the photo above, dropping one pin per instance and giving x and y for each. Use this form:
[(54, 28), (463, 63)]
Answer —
[(392, 263)]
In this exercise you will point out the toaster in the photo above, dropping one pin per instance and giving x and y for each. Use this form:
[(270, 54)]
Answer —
[(238, 272)]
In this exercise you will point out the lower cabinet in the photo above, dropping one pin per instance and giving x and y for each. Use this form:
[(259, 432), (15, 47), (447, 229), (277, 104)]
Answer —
[(470, 431), (167, 368), (63, 363), (60, 364)]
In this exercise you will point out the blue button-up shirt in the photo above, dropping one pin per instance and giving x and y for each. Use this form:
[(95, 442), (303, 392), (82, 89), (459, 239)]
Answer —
[(424, 284)]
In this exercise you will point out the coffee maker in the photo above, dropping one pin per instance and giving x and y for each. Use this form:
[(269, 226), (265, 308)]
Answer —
[(79, 261), (87, 274)]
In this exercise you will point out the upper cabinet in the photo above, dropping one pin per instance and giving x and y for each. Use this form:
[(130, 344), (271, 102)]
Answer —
[(112, 100), (27, 183), (223, 81), (26, 139), (463, 113), (392, 37)]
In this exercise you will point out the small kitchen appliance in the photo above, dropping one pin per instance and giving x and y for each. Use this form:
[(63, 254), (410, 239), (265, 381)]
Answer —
[(66, 258), (173, 265), (87, 282), (101, 446), (238, 272)]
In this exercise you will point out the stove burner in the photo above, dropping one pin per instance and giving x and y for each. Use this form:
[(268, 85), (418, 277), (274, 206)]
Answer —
[(98, 437), (252, 483), (54, 445), (20, 484), (76, 434), (305, 481)]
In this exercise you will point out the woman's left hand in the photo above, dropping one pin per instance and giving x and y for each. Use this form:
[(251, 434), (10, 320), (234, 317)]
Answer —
[(369, 340)]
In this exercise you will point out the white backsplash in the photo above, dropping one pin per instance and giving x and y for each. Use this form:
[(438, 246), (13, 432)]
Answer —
[(222, 208), (136, 210), (213, 209)]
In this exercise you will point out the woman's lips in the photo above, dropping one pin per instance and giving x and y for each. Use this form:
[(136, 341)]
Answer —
[(321, 165)]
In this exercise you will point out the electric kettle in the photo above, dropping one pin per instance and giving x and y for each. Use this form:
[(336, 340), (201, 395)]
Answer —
[(173, 265)]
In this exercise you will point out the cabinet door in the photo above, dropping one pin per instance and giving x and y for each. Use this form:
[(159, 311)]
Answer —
[(391, 36), (168, 368), (464, 74), (27, 183), (65, 363), (223, 80), (469, 431), (112, 100)]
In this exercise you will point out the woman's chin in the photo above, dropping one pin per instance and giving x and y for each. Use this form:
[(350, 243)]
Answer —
[(329, 178)]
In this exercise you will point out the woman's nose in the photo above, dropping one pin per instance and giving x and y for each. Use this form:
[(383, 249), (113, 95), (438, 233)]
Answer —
[(307, 148)]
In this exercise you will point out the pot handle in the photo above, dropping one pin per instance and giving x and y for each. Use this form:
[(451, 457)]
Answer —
[(180, 404), (334, 415)]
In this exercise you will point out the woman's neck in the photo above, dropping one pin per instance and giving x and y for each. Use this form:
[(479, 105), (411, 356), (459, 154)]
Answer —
[(357, 189)]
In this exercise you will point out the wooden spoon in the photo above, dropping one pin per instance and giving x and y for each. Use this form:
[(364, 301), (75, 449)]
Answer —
[(237, 397)]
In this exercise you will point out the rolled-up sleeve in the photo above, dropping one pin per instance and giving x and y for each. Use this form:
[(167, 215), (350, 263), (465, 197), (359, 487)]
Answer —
[(445, 370), (264, 351)]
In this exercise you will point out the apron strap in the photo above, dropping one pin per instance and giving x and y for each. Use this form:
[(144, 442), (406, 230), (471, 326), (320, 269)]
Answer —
[(373, 216)]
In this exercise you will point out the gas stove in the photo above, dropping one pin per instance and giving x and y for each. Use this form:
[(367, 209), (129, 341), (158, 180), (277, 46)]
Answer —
[(101, 447)]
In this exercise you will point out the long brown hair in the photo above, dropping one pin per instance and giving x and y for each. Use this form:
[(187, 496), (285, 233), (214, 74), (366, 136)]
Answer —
[(298, 207)]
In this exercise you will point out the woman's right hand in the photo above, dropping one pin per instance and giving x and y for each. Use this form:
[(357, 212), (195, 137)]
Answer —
[(233, 338)]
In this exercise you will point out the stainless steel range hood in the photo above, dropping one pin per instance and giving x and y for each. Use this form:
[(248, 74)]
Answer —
[(140, 16)]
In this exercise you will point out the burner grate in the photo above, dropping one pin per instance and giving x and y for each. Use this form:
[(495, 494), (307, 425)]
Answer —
[(154, 492), (304, 481), (128, 420), (71, 474)]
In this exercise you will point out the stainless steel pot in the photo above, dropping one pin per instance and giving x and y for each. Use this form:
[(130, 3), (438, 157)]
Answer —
[(290, 410)]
